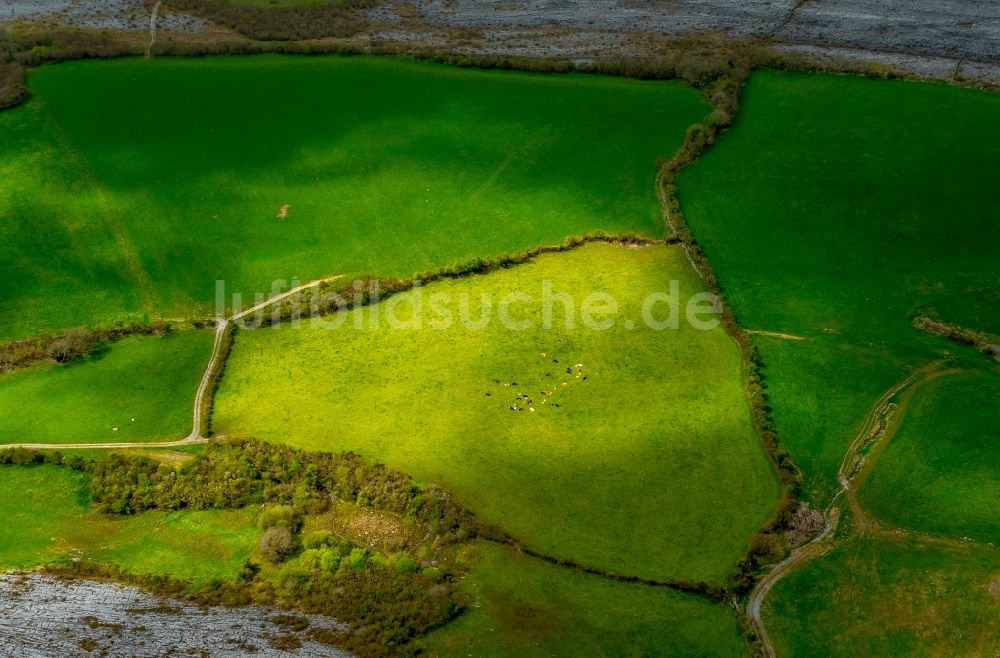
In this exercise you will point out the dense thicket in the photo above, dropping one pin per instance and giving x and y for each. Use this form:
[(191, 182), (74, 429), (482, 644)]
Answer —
[(12, 83), (32, 49), (235, 474)]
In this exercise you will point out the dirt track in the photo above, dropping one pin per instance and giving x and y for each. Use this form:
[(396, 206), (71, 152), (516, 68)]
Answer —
[(872, 430), (196, 436)]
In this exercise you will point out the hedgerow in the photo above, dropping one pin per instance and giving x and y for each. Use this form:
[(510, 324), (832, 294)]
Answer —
[(71, 344), (239, 473)]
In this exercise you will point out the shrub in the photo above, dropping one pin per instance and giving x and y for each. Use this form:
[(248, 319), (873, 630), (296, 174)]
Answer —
[(74, 344), (12, 85), (277, 544), (280, 516), (358, 559), (236, 474), (406, 564)]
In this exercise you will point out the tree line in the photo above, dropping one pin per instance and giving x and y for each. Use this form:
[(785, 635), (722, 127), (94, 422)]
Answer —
[(72, 344), (239, 473)]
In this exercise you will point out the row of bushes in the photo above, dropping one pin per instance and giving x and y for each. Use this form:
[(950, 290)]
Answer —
[(331, 297), (73, 344), (25, 457), (32, 49), (981, 342), (712, 591), (239, 473), (215, 380), (769, 544)]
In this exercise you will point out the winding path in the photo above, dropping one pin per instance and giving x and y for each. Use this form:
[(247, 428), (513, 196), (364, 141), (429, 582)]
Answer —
[(195, 437), (871, 430), (152, 28)]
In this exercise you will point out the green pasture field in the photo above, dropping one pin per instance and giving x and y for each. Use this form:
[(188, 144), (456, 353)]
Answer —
[(639, 456), (526, 607), (940, 473), (836, 209), (143, 385), (129, 187), (896, 596), (47, 519), (821, 390)]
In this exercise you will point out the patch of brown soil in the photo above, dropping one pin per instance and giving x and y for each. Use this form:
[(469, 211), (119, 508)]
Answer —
[(994, 588), (372, 527)]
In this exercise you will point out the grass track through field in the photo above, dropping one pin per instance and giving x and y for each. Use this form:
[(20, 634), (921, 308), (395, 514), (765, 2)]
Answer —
[(874, 430), (196, 435)]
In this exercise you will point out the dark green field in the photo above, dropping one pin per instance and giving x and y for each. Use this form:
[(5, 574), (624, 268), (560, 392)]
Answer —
[(139, 389), (941, 471), (836, 209), (530, 608), (385, 165)]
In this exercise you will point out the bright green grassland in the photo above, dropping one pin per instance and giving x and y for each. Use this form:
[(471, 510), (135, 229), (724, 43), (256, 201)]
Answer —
[(47, 519), (889, 597), (644, 462), (144, 386), (525, 607), (836, 208), (941, 471), (129, 187)]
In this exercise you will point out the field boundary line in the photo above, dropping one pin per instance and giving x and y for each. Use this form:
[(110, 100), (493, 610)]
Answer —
[(775, 334), (701, 589)]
